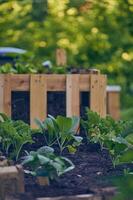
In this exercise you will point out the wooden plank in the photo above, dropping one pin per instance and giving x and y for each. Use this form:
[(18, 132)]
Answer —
[(113, 104), (84, 82), (72, 95), (98, 94), (20, 179), (102, 95), (7, 94), (20, 82), (1, 93), (74, 197), (11, 180), (56, 82), (38, 98)]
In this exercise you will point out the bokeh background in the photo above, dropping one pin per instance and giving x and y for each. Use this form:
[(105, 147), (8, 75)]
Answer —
[(94, 34)]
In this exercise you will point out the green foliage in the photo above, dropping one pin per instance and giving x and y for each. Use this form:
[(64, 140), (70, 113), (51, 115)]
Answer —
[(116, 136), (44, 162), (13, 135), (94, 39), (125, 187), (127, 114), (61, 131)]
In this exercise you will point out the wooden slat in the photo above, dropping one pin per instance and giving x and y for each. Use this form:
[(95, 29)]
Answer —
[(1, 93), (102, 95), (56, 82), (73, 95), (7, 94), (38, 98), (84, 80), (20, 82), (113, 104), (74, 197), (11, 180), (98, 94)]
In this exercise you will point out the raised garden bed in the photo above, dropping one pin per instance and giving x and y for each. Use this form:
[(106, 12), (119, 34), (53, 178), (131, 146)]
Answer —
[(93, 165), (39, 85), (11, 181), (90, 180)]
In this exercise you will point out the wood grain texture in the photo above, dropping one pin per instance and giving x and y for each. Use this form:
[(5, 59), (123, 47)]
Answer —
[(11, 180), (38, 98), (7, 94), (1, 93), (113, 104), (72, 95), (76, 197), (98, 94), (20, 82)]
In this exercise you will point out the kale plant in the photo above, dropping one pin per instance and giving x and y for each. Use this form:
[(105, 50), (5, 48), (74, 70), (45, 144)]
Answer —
[(116, 136), (44, 162), (61, 131), (13, 135)]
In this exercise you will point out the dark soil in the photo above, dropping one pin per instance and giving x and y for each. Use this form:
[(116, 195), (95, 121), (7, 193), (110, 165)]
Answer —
[(93, 171), (93, 167)]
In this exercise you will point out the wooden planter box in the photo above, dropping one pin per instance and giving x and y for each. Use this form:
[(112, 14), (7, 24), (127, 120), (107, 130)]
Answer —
[(113, 101), (38, 86), (105, 194), (11, 181)]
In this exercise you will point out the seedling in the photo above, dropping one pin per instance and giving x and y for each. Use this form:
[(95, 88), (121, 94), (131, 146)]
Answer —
[(61, 131), (44, 163)]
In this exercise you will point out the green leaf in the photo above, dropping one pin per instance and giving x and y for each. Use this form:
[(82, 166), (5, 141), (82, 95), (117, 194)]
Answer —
[(71, 149), (64, 123), (27, 159), (127, 157), (45, 150), (129, 138), (43, 160)]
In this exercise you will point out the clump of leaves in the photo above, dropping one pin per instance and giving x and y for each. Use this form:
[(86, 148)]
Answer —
[(111, 134), (61, 131), (13, 135), (125, 187), (44, 162), (22, 68), (7, 68)]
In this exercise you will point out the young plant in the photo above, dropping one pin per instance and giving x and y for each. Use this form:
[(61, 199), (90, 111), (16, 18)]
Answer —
[(109, 133), (61, 131), (13, 135), (45, 163)]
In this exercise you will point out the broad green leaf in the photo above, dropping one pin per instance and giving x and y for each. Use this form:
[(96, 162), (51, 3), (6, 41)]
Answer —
[(43, 159), (45, 150), (127, 157)]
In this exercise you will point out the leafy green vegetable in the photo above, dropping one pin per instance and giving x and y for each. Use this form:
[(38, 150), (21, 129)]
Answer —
[(125, 187), (111, 134), (44, 162), (13, 135), (61, 131)]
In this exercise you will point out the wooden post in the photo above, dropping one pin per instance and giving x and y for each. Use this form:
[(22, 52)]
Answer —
[(38, 98), (61, 57), (113, 101), (7, 94), (98, 94), (1, 93), (11, 181), (72, 95)]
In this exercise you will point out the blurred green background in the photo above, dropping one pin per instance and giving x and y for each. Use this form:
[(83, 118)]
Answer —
[(94, 34)]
